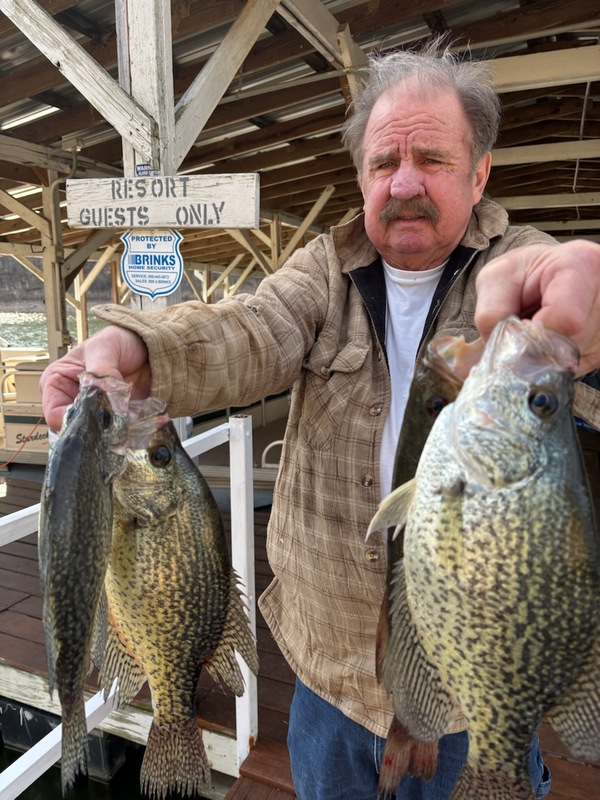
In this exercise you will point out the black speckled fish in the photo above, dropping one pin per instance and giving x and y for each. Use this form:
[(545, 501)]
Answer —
[(495, 608), (172, 599), (74, 544)]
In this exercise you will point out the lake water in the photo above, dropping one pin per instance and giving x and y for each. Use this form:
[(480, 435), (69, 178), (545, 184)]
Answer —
[(28, 329)]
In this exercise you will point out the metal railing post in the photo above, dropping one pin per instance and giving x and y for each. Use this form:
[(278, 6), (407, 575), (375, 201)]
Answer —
[(242, 553)]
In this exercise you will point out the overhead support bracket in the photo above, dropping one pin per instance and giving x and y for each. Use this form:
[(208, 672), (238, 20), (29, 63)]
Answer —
[(77, 259), (322, 30), (243, 238), (28, 215), (202, 97)]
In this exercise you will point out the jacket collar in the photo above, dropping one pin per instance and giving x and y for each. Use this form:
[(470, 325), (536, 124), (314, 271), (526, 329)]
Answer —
[(360, 260)]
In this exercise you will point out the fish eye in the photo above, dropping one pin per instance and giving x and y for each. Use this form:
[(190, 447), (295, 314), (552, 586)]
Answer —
[(435, 404), (160, 456), (543, 403), (105, 418)]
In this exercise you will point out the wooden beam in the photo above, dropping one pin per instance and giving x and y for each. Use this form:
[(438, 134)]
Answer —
[(306, 223), (242, 237), (318, 26), (565, 225), (549, 200), (202, 97), (78, 257), (224, 274), (27, 214), (543, 153), (553, 68), (106, 256), (144, 45), (533, 20), (28, 154), (243, 277), (85, 74)]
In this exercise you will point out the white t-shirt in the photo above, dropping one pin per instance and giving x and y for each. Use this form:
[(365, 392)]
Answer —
[(409, 296)]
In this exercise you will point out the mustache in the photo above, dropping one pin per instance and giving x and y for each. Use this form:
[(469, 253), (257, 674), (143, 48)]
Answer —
[(415, 207)]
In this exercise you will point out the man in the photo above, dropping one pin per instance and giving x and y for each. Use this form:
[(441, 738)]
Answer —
[(343, 322)]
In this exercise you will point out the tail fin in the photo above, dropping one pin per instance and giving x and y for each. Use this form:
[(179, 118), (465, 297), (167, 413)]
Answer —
[(74, 758), (475, 783), (175, 760), (405, 755)]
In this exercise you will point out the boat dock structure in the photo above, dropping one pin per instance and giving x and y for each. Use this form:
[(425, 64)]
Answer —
[(207, 134)]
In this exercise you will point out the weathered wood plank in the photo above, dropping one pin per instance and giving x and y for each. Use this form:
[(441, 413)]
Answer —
[(83, 72)]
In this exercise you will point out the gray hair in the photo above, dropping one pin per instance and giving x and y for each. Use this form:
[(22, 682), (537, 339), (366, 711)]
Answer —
[(434, 68)]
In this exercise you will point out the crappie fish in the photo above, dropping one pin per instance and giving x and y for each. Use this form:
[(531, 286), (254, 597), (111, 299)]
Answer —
[(495, 612), (172, 599), (74, 545), (437, 381)]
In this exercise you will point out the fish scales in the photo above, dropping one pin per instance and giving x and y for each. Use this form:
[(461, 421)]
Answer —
[(173, 602), (500, 580), (74, 545)]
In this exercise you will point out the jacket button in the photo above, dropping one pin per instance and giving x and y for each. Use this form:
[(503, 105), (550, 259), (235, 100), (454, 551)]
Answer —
[(367, 480), (375, 411), (372, 555)]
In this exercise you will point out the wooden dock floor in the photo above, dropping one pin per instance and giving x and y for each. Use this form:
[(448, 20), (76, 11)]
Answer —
[(21, 645)]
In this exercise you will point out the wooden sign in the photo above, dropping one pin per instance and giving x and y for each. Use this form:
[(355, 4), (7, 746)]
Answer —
[(180, 201)]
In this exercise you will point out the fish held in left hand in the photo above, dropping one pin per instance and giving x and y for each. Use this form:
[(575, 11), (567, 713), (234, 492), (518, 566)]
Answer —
[(173, 602), (74, 544), (495, 608)]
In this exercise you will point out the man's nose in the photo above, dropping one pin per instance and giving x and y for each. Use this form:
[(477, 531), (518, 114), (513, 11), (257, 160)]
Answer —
[(407, 182)]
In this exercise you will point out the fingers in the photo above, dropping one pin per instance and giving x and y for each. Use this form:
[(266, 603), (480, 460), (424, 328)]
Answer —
[(112, 351), (556, 284)]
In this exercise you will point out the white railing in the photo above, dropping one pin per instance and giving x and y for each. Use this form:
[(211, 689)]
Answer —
[(238, 432)]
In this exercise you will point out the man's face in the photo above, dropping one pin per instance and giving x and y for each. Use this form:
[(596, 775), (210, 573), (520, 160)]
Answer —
[(417, 179)]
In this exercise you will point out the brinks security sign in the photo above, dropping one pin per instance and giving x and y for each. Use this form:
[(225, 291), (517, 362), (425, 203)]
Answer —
[(151, 263)]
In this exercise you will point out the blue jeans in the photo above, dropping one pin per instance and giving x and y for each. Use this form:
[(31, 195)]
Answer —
[(334, 758)]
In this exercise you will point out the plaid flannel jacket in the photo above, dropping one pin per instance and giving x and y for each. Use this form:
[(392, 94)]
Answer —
[(317, 325)]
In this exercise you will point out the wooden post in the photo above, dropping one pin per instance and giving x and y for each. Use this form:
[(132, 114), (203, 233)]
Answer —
[(146, 73), (52, 260)]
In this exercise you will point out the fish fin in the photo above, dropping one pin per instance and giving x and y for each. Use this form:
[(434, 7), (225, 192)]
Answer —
[(222, 665), (175, 760), (117, 662), (576, 717), (475, 783), (100, 636), (74, 745), (394, 510), (382, 639), (420, 700), (404, 755)]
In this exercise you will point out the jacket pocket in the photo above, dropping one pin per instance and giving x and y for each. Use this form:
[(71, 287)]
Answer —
[(329, 385)]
